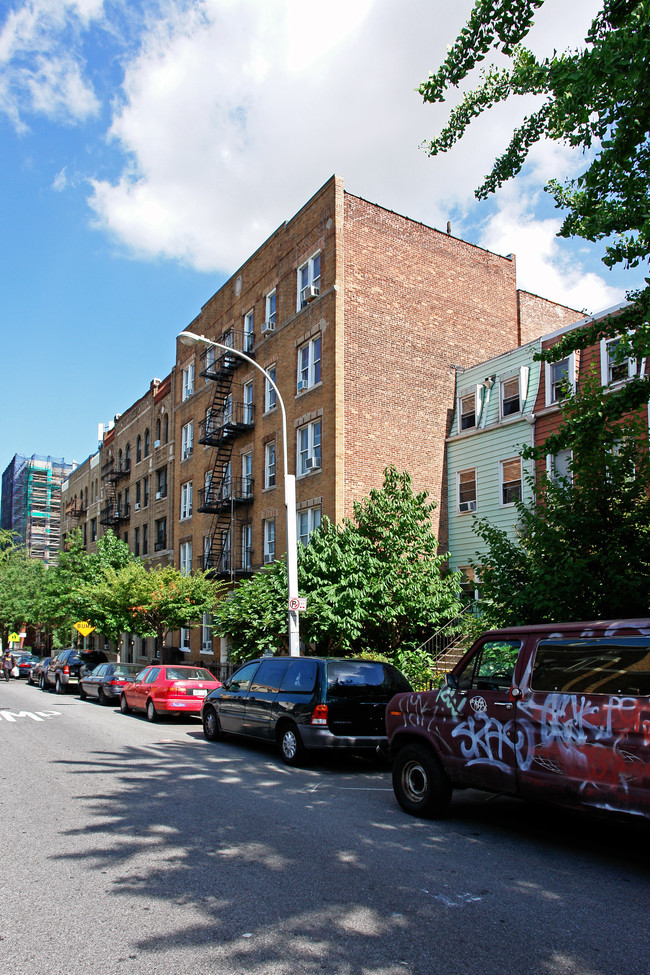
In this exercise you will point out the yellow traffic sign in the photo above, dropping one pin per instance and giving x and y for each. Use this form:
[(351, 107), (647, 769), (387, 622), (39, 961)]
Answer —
[(84, 628), (14, 638)]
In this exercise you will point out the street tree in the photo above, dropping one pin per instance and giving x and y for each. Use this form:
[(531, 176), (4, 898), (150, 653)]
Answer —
[(582, 551), (597, 99), (21, 585)]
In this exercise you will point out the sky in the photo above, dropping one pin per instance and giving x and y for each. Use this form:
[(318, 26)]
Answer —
[(148, 147)]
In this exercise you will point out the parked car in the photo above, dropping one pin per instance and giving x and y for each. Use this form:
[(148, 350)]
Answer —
[(37, 671), (64, 670), (167, 690), (106, 681), (25, 661), (305, 703), (557, 713)]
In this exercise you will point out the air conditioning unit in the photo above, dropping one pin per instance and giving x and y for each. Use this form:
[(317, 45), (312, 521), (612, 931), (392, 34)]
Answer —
[(137, 506), (159, 495), (312, 463), (467, 506), (268, 327), (156, 443), (207, 645), (302, 384), (187, 453), (310, 292)]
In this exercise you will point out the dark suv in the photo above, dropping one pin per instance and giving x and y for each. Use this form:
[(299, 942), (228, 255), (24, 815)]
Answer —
[(65, 669), (305, 702)]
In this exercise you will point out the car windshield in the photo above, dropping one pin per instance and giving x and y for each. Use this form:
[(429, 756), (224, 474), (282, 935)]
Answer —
[(188, 673)]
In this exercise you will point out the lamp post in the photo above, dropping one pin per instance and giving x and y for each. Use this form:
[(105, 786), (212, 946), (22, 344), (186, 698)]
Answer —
[(191, 338)]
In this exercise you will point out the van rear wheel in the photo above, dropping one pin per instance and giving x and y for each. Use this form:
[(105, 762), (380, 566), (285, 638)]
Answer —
[(420, 785), (291, 746)]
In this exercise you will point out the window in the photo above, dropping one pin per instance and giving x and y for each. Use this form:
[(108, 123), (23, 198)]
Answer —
[(161, 483), (510, 404), (614, 367), (247, 475), (166, 429), (207, 552), (188, 381), (309, 281), (467, 500), (559, 465), (248, 403), (209, 360), (607, 666), (136, 541), (157, 441), (127, 462), (467, 411), (271, 312), (186, 500), (307, 522), (309, 362), (511, 480), (186, 558), (147, 443), (269, 465), (269, 540), (93, 529), (137, 494), (246, 546), (492, 668), (185, 638), (138, 449), (206, 633), (309, 447), (161, 535), (145, 539), (269, 392), (249, 338), (145, 492), (560, 378), (187, 440)]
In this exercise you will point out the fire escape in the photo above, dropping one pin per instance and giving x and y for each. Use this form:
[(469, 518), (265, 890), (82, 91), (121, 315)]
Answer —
[(115, 510), (227, 497)]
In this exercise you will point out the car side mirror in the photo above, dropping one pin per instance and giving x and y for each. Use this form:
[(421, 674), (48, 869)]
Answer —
[(226, 684), (451, 681)]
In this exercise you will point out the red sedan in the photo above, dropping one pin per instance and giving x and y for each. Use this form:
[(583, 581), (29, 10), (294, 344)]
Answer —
[(167, 690)]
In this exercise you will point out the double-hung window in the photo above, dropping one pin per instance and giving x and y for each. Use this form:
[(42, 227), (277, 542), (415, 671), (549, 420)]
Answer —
[(161, 483), (271, 313), (186, 558), (188, 381), (510, 398), (307, 522), (467, 411), (269, 540), (246, 475), (249, 337), (246, 546), (309, 364), (269, 464), (160, 543), (248, 403), (511, 480), (614, 366), (187, 440), (206, 633), (309, 280), (467, 499), (559, 466), (145, 492), (186, 500), (309, 447), (269, 391), (145, 539), (558, 376)]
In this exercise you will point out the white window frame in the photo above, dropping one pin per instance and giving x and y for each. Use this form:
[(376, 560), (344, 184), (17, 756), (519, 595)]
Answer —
[(247, 395), (502, 389), (206, 633), (271, 310), (461, 400), (469, 505), (548, 377), (605, 370), (308, 277), (270, 464), (309, 363), (249, 331), (247, 474), (552, 465), (185, 639), (188, 381), (307, 521), (270, 398), (187, 440), (503, 482), (185, 558), (269, 540), (309, 447), (246, 545), (186, 500)]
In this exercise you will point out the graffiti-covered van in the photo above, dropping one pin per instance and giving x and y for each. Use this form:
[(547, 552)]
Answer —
[(559, 713)]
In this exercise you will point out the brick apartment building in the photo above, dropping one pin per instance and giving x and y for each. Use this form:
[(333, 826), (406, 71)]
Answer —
[(360, 315)]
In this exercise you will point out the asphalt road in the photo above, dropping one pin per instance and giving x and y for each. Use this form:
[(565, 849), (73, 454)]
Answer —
[(130, 847)]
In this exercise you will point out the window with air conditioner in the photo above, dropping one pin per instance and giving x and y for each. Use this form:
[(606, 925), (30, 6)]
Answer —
[(187, 440), (270, 318), (307, 521), (309, 280), (467, 498), (161, 483), (309, 364), (188, 381), (309, 448), (510, 480)]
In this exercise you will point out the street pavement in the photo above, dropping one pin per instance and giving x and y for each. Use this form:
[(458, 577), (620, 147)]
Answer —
[(130, 847)]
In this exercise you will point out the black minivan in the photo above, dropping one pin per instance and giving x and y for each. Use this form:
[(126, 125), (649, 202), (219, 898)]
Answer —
[(305, 702)]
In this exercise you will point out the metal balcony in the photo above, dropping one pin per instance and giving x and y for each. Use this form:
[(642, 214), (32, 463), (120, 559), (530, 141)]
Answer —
[(216, 362), (114, 514), (220, 425), (233, 491)]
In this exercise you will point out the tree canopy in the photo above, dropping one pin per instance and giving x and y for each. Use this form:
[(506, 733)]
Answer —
[(596, 98)]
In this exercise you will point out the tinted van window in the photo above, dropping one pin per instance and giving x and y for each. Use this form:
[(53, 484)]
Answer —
[(361, 678), (242, 677), (300, 676), (269, 676), (617, 666)]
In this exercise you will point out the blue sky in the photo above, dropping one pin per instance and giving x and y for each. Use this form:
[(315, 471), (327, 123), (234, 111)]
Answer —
[(149, 147)]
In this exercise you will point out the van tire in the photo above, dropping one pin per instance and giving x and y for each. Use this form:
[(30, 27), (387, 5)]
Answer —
[(420, 786), (211, 727), (291, 746)]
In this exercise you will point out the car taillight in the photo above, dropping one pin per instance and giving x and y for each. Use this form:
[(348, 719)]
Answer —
[(66, 669), (115, 683), (320, 714)]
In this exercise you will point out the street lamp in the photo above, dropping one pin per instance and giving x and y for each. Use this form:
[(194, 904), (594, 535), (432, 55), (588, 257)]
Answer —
[(191, 338)]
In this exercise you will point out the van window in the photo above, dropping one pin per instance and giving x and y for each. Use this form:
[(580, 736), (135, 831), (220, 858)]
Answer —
[(242, 678), (300, 676), (492, 667), (617, 666), (269, 676), (364, 678)]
